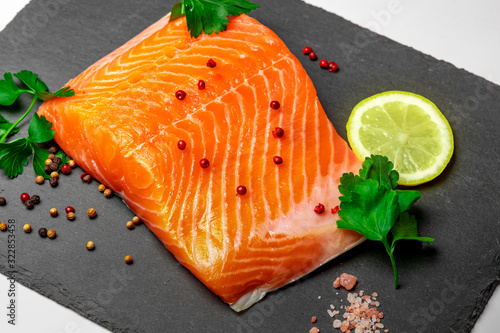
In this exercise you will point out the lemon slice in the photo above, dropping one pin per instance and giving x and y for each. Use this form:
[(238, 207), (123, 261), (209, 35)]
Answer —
[(408, 129)]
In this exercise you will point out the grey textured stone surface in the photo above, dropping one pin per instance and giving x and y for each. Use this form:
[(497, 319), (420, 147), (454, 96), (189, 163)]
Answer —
[(443, 287)]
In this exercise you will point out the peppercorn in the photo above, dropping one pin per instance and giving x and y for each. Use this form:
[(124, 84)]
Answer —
[(275, 105), (36, 199), (57, 160), (129, 260), (3, 202), (313, 56), (181, 144), (323, 64), (47, 170), (211, 63), (130, 225), (53, 212), (42, 232), (201, 85), (53, 150), (39, 180), (319, 209), (29, 204), (102, 188), (51, 156), (54, 166), (51, 233), (241, 190), (136, 220), (306, 50), (277, 160), (92, 213), (70, 216), (278, 132), (333, 67), (180, 94), (24, 196), (72, 163), (86, 178), (27, 228), (66, 169), (47, 161), (90, 245), (53, 182), (69, 209), (204, 163), (108, 193), (3, 226), (54, 174)]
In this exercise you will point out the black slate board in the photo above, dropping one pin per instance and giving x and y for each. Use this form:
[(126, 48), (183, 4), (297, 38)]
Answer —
[(444, 287)]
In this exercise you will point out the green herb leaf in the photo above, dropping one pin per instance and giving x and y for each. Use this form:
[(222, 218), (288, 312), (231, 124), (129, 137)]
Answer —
[(379, 168), (40, 129), (372, 212), (5, 125), (9, 91), (32, 81), (63, 92), (406, 228), (14, 156), (177, 11), (39, 157), (407, 198), (210, 15), (371, 205)]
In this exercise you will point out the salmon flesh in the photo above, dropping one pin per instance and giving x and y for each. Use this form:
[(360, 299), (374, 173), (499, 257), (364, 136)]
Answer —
[(125, 121)]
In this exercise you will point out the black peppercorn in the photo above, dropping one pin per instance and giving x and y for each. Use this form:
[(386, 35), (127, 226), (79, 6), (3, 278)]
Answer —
[(54, 166), (47, 170), (42, 232), (36, 199), (29, 204), (57, 160), (3, 202), (53, 150), (53, 182)]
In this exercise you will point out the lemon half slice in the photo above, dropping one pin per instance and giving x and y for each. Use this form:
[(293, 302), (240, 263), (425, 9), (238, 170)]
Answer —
[(408, 129)]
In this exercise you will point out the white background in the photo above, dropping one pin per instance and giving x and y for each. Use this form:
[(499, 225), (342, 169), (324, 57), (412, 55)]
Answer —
[(465, 33)]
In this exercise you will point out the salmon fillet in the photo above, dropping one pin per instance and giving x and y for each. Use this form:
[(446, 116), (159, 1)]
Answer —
[(124, 123)]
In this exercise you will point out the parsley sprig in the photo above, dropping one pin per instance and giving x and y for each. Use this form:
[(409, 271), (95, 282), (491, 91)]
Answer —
[(372, 206), (209, 15), (14, 155)]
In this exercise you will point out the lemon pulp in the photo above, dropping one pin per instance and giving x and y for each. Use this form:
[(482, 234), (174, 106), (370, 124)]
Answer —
[(408, 129)]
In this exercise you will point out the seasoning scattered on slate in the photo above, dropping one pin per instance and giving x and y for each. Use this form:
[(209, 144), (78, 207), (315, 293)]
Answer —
[(70, 216), (129, 260), (3, 226), (39, 180), (53, 182), (54, 174), (51, 234), (53, 212), (102, 188), (29, 204), (130, 225), (136, 220), (108, 193), (3, 202), (92, 213), (27, 228), (90, 245), (36, 199), (42, 232), (72, 163)]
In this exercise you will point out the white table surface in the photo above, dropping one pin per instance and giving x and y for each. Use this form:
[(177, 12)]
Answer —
[(464, 33)]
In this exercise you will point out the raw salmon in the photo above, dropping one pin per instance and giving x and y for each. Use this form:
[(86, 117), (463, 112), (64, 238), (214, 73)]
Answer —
[(125, 121)]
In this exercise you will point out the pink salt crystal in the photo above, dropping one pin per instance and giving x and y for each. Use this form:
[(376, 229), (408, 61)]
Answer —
[(336, 283), (314, 330), (347, 281)]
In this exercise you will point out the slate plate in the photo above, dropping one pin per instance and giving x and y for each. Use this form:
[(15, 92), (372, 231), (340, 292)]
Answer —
[(444, 287)]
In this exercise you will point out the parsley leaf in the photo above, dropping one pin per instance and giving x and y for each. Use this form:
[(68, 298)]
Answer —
[(63, 92), (14, 156), (40, 129), (9, 91), (371, 205), (5, 125), (31, 81), (209, 15)]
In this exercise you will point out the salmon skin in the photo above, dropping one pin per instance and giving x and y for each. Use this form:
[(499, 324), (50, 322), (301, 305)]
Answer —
[(125, 121)]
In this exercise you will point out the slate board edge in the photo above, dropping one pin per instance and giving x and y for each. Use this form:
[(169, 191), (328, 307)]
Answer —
[(52, 290)]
